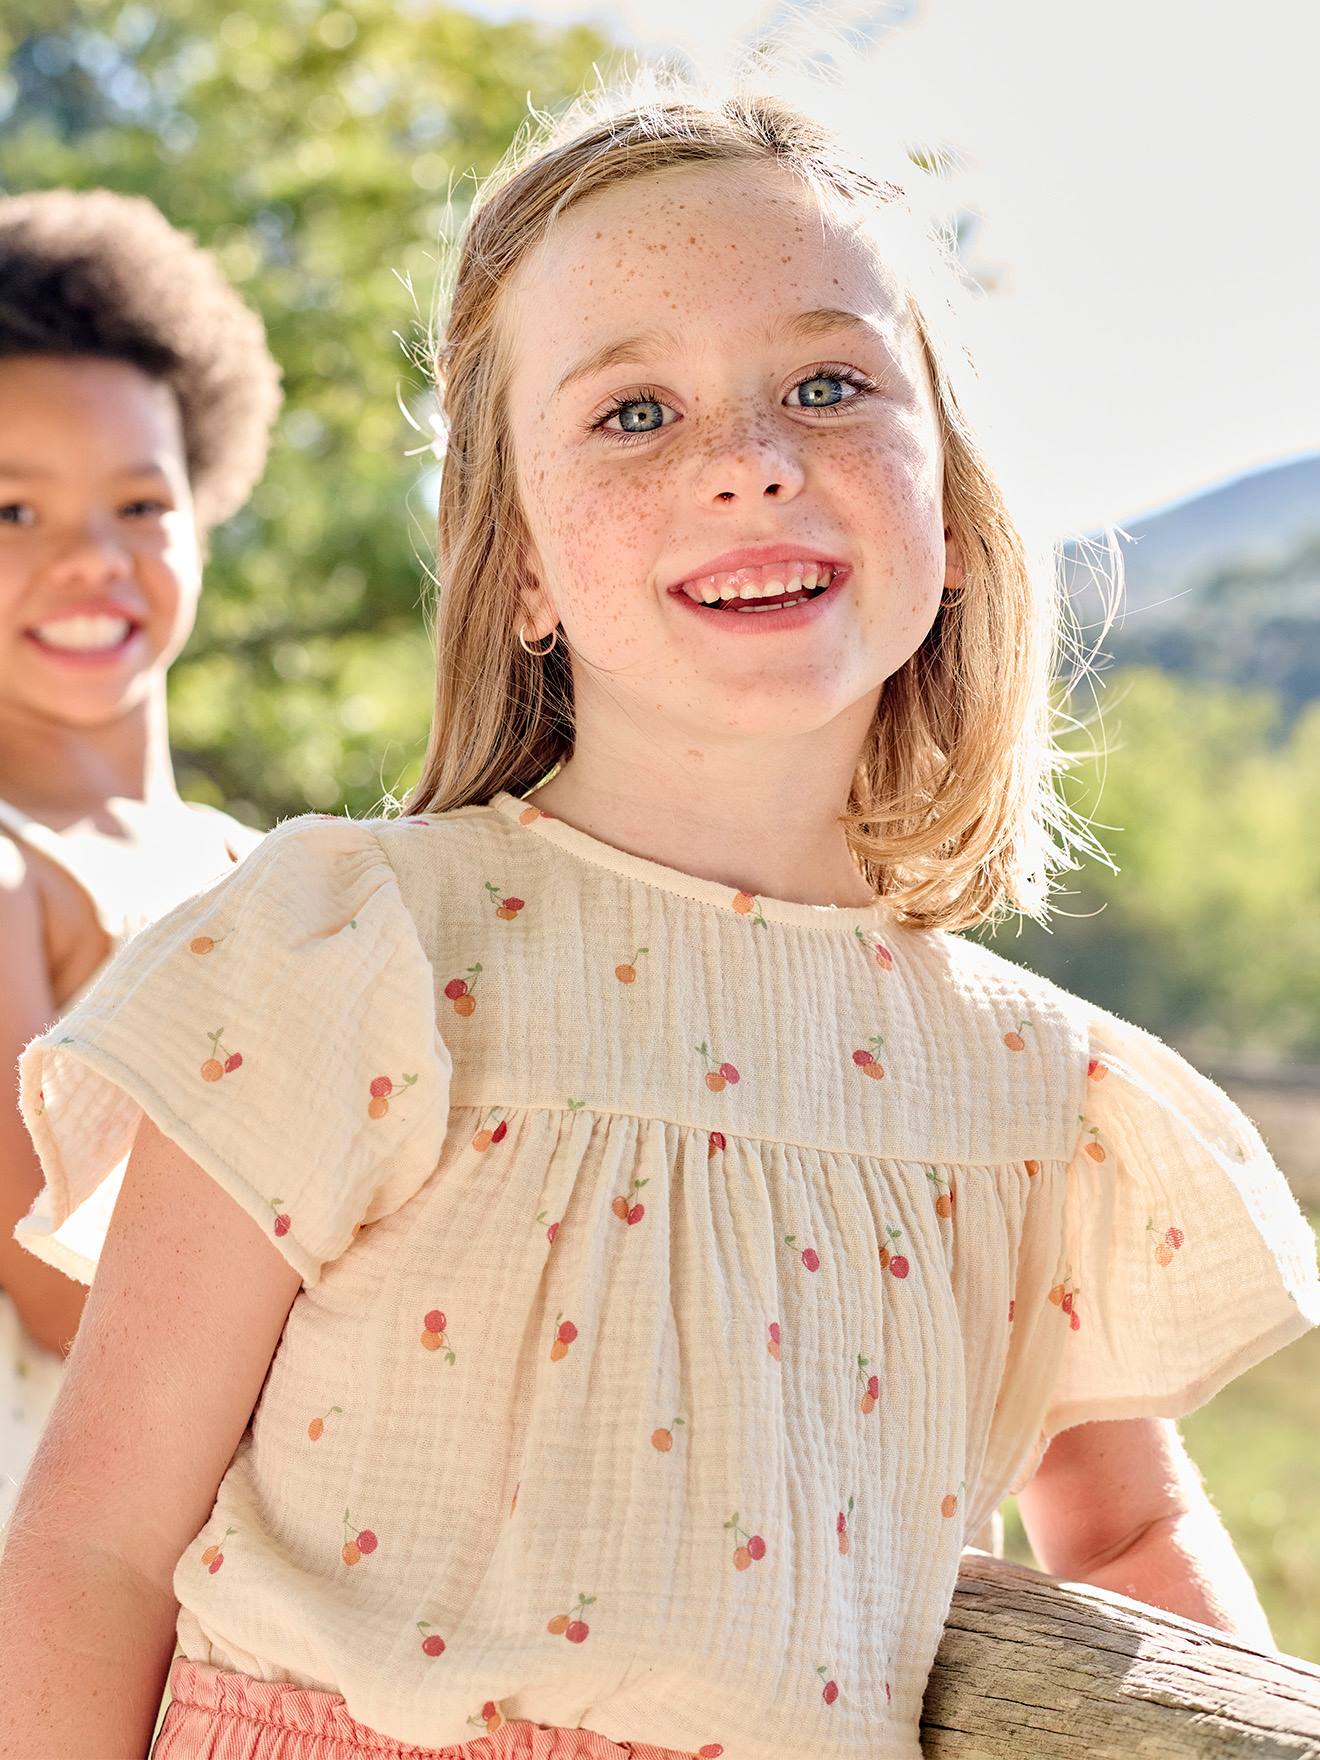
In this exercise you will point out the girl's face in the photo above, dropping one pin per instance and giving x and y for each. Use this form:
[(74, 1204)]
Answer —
[(686, 384), (100, 561)]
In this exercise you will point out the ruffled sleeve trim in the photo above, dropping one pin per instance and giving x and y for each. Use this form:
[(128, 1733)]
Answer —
[(280, 1028)]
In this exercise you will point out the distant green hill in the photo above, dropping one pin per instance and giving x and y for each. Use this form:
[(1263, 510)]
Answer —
[(1223, 587)]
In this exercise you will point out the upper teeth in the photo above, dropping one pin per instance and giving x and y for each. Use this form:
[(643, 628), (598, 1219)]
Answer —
[(84, 632), (758, 583)]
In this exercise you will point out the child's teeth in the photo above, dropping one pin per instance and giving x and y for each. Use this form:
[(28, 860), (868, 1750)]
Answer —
[(84, 632)]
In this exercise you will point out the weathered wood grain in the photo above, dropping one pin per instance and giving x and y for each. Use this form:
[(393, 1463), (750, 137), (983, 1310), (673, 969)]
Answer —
[(1033, 1668)]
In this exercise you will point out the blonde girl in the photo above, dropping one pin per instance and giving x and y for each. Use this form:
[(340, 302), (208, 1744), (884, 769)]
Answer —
[(610, 1241)]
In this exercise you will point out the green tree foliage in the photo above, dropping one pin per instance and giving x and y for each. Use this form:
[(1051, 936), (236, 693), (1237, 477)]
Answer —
[(313, 147), (1209, 811)]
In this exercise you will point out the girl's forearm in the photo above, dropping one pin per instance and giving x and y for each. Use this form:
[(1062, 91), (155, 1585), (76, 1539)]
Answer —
[(1186, 1563), (85, 1646)]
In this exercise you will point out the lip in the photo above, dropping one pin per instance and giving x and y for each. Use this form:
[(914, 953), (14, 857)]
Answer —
[(83, 659), (765, 622), (89, 608), (752, 554)]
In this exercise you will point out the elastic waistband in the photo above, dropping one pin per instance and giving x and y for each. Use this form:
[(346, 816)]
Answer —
[(323, 1718)]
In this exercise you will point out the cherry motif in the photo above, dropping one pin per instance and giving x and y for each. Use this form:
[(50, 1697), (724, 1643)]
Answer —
[(213, 1557), (382, 1091), (461, 993), (841, 1528), (552, 1228), (489, 1134), (868, 1061), (316, 1429), (571, 1625), (221, 1062), (1094, 1148), (875, 945), (507, 908), (626, 972), (1166, 1244), (894, 1263), (748, 905), (719, 1075), (663, 1439), (1064, 1296), (773, 1346), (810, 1257), (281, 1224), (830, 1691), (564, 1336), (490, 1718), (870, 1385), (715, 1143), (358, 1546), (433, 1644), (943, 1198), (631, 1213), (750, 1547), (434, 1334)]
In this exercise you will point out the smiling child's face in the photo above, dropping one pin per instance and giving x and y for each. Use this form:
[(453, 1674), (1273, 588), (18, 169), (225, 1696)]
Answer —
[(750, 434), (100, 560)]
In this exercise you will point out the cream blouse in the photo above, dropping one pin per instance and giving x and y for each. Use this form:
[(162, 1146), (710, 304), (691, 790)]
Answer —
[(686, 1275)]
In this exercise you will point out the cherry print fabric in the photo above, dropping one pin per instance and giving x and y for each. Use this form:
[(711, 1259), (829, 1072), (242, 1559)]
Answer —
[(687, 1275), (240, 1022)]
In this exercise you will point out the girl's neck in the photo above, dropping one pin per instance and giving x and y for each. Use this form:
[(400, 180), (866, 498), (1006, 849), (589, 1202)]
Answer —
[(63, 773), (758, 824)]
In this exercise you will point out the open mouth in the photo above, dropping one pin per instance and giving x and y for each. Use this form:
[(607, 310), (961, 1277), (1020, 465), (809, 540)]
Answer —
[(767, 590), (90, 638)]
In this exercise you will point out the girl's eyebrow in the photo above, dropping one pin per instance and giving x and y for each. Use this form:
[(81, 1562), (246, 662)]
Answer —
[(149, 469), (647, 344)]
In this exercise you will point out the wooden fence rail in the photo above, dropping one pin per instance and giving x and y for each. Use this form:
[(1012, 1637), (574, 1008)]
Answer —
[(1032, 1668)]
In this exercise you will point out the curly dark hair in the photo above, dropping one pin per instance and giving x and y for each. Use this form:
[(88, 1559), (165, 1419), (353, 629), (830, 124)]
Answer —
[(96, 273)]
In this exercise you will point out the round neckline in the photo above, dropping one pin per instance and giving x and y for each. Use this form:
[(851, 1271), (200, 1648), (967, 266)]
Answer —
[(753, 907)]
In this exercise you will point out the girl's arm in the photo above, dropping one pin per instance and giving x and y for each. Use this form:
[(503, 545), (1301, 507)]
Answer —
[(1120, 1504), (185, 1312), (49, 1304)]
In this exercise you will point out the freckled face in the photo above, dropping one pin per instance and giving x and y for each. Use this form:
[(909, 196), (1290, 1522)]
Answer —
[(826, 441)]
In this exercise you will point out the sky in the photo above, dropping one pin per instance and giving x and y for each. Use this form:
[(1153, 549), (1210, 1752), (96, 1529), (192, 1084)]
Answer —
[(1143, 174)]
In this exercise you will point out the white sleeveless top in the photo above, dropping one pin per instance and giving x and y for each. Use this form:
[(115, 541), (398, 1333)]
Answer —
[(122, 903)]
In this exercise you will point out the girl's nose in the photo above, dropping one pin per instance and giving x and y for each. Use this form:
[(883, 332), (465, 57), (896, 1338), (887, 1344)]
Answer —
[(94, 557), (748, 468)]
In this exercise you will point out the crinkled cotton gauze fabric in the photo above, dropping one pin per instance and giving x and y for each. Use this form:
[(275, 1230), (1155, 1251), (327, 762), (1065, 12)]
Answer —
[(686, 1275)]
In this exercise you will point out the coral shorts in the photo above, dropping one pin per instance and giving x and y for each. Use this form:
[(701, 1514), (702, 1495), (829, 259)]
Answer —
[(216, 1715)]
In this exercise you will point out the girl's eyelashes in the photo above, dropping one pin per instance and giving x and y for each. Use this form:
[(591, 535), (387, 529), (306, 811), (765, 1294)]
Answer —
[(825, 374), (21, 513)]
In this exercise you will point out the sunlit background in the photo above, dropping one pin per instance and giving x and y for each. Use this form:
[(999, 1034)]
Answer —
[(1134, 188)]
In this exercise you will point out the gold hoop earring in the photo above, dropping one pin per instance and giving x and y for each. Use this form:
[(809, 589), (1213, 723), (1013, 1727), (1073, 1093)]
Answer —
[(527, 646)]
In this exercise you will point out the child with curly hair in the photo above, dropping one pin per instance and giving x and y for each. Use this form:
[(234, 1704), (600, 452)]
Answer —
[(597, 1243), (136, 399)]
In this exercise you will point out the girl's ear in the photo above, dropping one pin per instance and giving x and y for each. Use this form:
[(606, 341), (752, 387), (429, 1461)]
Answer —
[(953, 567), (536, 609)]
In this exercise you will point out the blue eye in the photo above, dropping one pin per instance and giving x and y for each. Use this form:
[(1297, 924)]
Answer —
[(825, 375), (11, 513)]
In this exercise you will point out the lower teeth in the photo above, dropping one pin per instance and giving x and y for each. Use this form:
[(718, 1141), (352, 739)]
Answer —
[(744, 607)]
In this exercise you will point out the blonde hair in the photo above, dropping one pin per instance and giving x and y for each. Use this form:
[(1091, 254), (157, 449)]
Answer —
[(953, 815)]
